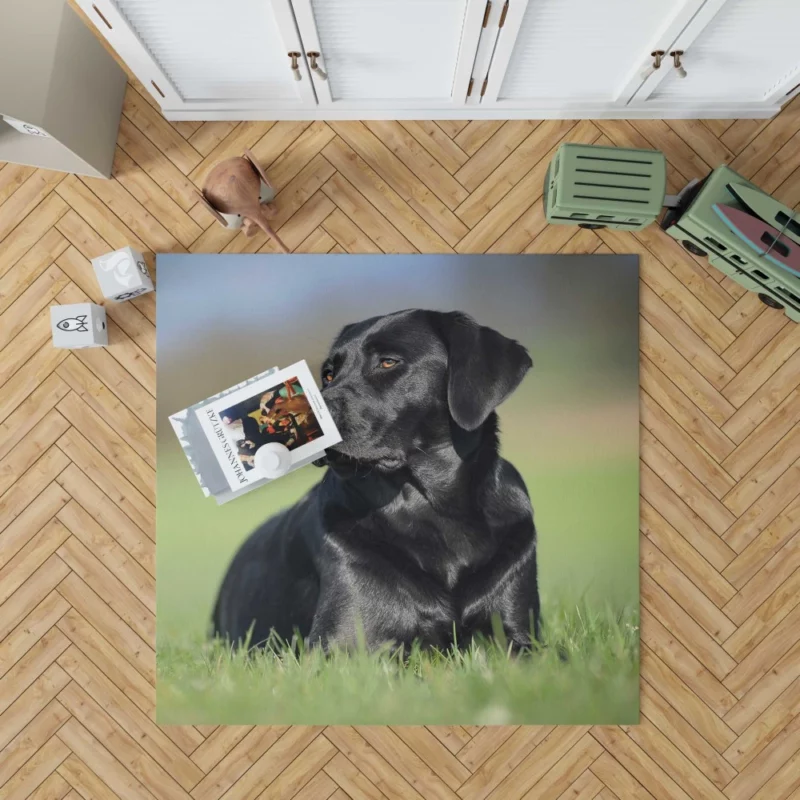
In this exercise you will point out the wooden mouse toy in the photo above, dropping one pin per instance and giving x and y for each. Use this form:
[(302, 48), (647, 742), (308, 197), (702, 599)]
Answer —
[(237, 192)]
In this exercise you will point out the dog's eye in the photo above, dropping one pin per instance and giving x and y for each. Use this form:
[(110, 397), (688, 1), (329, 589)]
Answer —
[(388, 363), (327, 376)]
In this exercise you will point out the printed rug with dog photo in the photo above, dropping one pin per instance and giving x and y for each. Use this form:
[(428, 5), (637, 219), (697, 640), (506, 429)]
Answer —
[(398, 489)]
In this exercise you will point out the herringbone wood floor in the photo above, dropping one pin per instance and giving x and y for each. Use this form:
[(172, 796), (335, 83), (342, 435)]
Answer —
[(720, 508)]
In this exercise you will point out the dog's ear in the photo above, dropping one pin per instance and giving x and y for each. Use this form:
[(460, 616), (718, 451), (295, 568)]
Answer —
[(484, 368)]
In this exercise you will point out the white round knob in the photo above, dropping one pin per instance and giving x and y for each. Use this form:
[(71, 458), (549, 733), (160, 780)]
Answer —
[(273, 460)]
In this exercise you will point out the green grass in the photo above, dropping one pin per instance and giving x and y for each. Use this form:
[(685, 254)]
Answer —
[(586, 672), (587, 519)]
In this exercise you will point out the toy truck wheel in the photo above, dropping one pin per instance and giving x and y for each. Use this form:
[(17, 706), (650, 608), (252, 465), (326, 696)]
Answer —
[(592, 226), (769, 301), (693, 248)]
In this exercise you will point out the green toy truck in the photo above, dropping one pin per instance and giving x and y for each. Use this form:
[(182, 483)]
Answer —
[(700, 230), (605, 187), (613, 187)]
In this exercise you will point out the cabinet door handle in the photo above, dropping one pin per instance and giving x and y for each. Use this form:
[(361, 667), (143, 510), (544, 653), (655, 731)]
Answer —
[(676, 60), (312, 57), (102, 17), (657, 55), (295, 66)]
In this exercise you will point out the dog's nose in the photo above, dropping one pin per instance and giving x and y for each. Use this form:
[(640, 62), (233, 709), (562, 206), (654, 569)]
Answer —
[(333, 402)]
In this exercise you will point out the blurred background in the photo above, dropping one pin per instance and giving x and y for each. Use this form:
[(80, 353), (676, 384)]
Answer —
[(571, 428)]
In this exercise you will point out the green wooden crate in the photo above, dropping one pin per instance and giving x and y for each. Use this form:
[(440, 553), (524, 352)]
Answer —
[(699, 229), (605, 187)]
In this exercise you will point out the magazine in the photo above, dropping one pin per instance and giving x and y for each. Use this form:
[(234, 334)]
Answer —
[(284, 406)]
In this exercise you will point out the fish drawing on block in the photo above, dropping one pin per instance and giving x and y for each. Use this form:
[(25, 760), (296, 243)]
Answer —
[(769, 209), (77, 324), (763, 238)]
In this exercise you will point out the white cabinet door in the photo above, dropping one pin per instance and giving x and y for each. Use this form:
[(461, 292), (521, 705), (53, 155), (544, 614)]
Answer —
[(390, 54), (734, 52), (208, 55), (578, 54)]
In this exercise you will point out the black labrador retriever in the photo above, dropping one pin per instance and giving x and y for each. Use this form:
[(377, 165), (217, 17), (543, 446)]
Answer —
[(418, 530)]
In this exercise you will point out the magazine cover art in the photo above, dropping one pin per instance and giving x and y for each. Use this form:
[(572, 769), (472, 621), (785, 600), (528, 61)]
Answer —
[(285, 408)]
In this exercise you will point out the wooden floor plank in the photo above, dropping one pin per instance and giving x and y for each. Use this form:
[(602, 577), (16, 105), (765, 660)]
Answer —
[(683, 411), (209, 135), (35, 700), (108, 587), (384, 198), (30, 230), (768, 689), (682, 156), (12, 176), (757, 546), (135, 214), (508, 754), (677, 585), (136, 108), (33, 664), (452, 127), (681, 554), (683, 519), (39, 294), (30, 267), (762, 621), (679, 733), (649, 774), (780, 567), (401, 179), (349, 236), (120, 744), (105, 621), (144, 189), (427, 169), (685, 702), (109, 479), (305, 142), (30, 738), (153, 161), (499, 182), (437, 143), (762, 657), (112, 446), (375, 225), (101, 762), (96, 539), (30, 629), (85, 783), (659, 603), (36, 770), (32, 192), (493, 152), (109, 516)]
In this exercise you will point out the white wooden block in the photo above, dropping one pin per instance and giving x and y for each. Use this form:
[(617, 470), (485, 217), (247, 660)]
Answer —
[(78, 325), (122, 274)]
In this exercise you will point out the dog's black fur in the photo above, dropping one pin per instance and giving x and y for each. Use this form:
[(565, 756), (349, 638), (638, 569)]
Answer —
[(418, 530)]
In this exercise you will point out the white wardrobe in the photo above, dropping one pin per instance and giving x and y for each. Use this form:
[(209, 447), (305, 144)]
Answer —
[(438, 59)]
